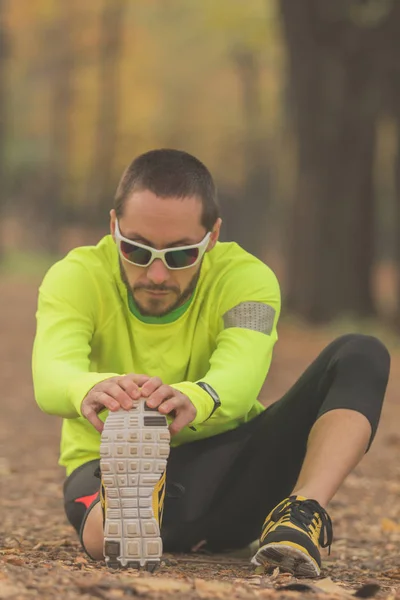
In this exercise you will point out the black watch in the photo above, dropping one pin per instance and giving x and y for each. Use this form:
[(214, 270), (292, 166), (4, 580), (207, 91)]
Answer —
[(211, 392)]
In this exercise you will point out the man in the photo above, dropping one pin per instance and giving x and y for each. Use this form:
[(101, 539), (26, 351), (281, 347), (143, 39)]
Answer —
[(170, 333)]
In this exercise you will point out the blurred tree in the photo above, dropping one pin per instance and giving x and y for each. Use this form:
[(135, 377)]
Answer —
[(3, 56), (101, 181), (391, 68), (256, 193), (58, 62), (335, 61), (397, 203), (246, 28)]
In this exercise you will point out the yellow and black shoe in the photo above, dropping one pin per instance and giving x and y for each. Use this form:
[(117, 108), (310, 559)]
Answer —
[(292, 534), (134, 450)]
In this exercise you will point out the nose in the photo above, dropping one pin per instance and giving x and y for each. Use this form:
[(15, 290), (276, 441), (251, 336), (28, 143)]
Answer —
[(157, 272)]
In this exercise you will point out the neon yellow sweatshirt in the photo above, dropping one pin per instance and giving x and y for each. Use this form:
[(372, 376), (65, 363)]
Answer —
[(88, 330)]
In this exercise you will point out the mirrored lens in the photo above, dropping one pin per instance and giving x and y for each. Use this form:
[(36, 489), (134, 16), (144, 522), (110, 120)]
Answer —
[(177, 259), (135, 254)]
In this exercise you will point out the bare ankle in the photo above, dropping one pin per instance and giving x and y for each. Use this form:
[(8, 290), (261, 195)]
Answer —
[(92, 535)]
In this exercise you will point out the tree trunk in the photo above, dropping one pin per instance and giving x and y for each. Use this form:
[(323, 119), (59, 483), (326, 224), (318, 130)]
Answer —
[(101, 181), (391, 47), (3, 54), (53, 204), (253, 213), (396, 318), (334, 90)]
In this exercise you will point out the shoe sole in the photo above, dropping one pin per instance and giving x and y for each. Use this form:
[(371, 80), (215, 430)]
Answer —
[(288, 559), (134, 449)]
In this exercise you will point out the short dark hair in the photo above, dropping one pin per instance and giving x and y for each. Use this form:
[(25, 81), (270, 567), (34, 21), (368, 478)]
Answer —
[(170, 173)]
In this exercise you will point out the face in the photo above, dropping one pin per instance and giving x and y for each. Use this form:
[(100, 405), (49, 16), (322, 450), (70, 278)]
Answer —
[(161, 223)]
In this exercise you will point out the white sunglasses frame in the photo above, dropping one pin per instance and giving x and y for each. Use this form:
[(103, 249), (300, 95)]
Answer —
[(202, 246)]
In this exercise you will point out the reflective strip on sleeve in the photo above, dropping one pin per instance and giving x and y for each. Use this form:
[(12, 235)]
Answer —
[(251, 315)]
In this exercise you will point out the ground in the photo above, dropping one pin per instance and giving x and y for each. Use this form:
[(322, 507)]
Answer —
[(39, 553)]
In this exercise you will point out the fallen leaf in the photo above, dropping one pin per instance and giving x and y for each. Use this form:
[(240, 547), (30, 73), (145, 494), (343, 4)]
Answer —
[(389, 526), (283, 577), (14, 560), (38, 546), (260, 570), (275, 574), (254, 580), (392, 573), (327, 585)]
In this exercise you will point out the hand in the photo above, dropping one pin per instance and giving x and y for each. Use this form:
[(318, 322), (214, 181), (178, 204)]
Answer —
[(169, 401), (114, 393)]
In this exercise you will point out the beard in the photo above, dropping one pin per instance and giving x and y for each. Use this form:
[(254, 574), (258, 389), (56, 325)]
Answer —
[(153, 308)]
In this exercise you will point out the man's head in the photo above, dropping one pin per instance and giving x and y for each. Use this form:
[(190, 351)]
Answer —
[(165, 199)]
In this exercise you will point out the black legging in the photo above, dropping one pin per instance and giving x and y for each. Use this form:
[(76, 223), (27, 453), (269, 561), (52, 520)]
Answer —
[(233, 480)]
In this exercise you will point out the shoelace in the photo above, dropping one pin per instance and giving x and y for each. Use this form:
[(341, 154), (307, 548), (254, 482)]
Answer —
[(304, 513)]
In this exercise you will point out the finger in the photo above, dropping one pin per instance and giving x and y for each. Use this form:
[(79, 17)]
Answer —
[(157, 397), (100, 400), (115, 391), (92, 417), (151, 386), (170, 405), (105, 400), (131, 388), (138, 379), (182, 419)]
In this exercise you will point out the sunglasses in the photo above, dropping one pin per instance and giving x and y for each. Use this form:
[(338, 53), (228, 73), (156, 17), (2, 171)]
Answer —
[(140, 255)]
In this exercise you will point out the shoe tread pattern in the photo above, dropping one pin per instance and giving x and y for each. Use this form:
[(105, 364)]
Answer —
[(134, 449), (288, 559)]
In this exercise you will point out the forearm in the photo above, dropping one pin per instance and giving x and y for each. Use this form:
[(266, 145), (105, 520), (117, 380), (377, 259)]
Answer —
[(60, 360), (60, 388), (237, 372)]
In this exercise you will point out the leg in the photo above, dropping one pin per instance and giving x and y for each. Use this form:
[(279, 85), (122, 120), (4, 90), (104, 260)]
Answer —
[(348, 418), (82, 507), (121, 524), (346, 385), (92, 534), (337, 443), (261, 460), (134, 449)]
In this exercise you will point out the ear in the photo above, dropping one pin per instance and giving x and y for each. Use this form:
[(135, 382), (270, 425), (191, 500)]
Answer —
[(214, 234), (113, 219)]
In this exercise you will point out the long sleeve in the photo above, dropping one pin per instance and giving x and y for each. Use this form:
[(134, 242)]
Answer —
[(249, 314), (66, 321)]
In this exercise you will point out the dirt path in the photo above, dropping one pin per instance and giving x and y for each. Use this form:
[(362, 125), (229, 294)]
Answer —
[(40, 557)]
